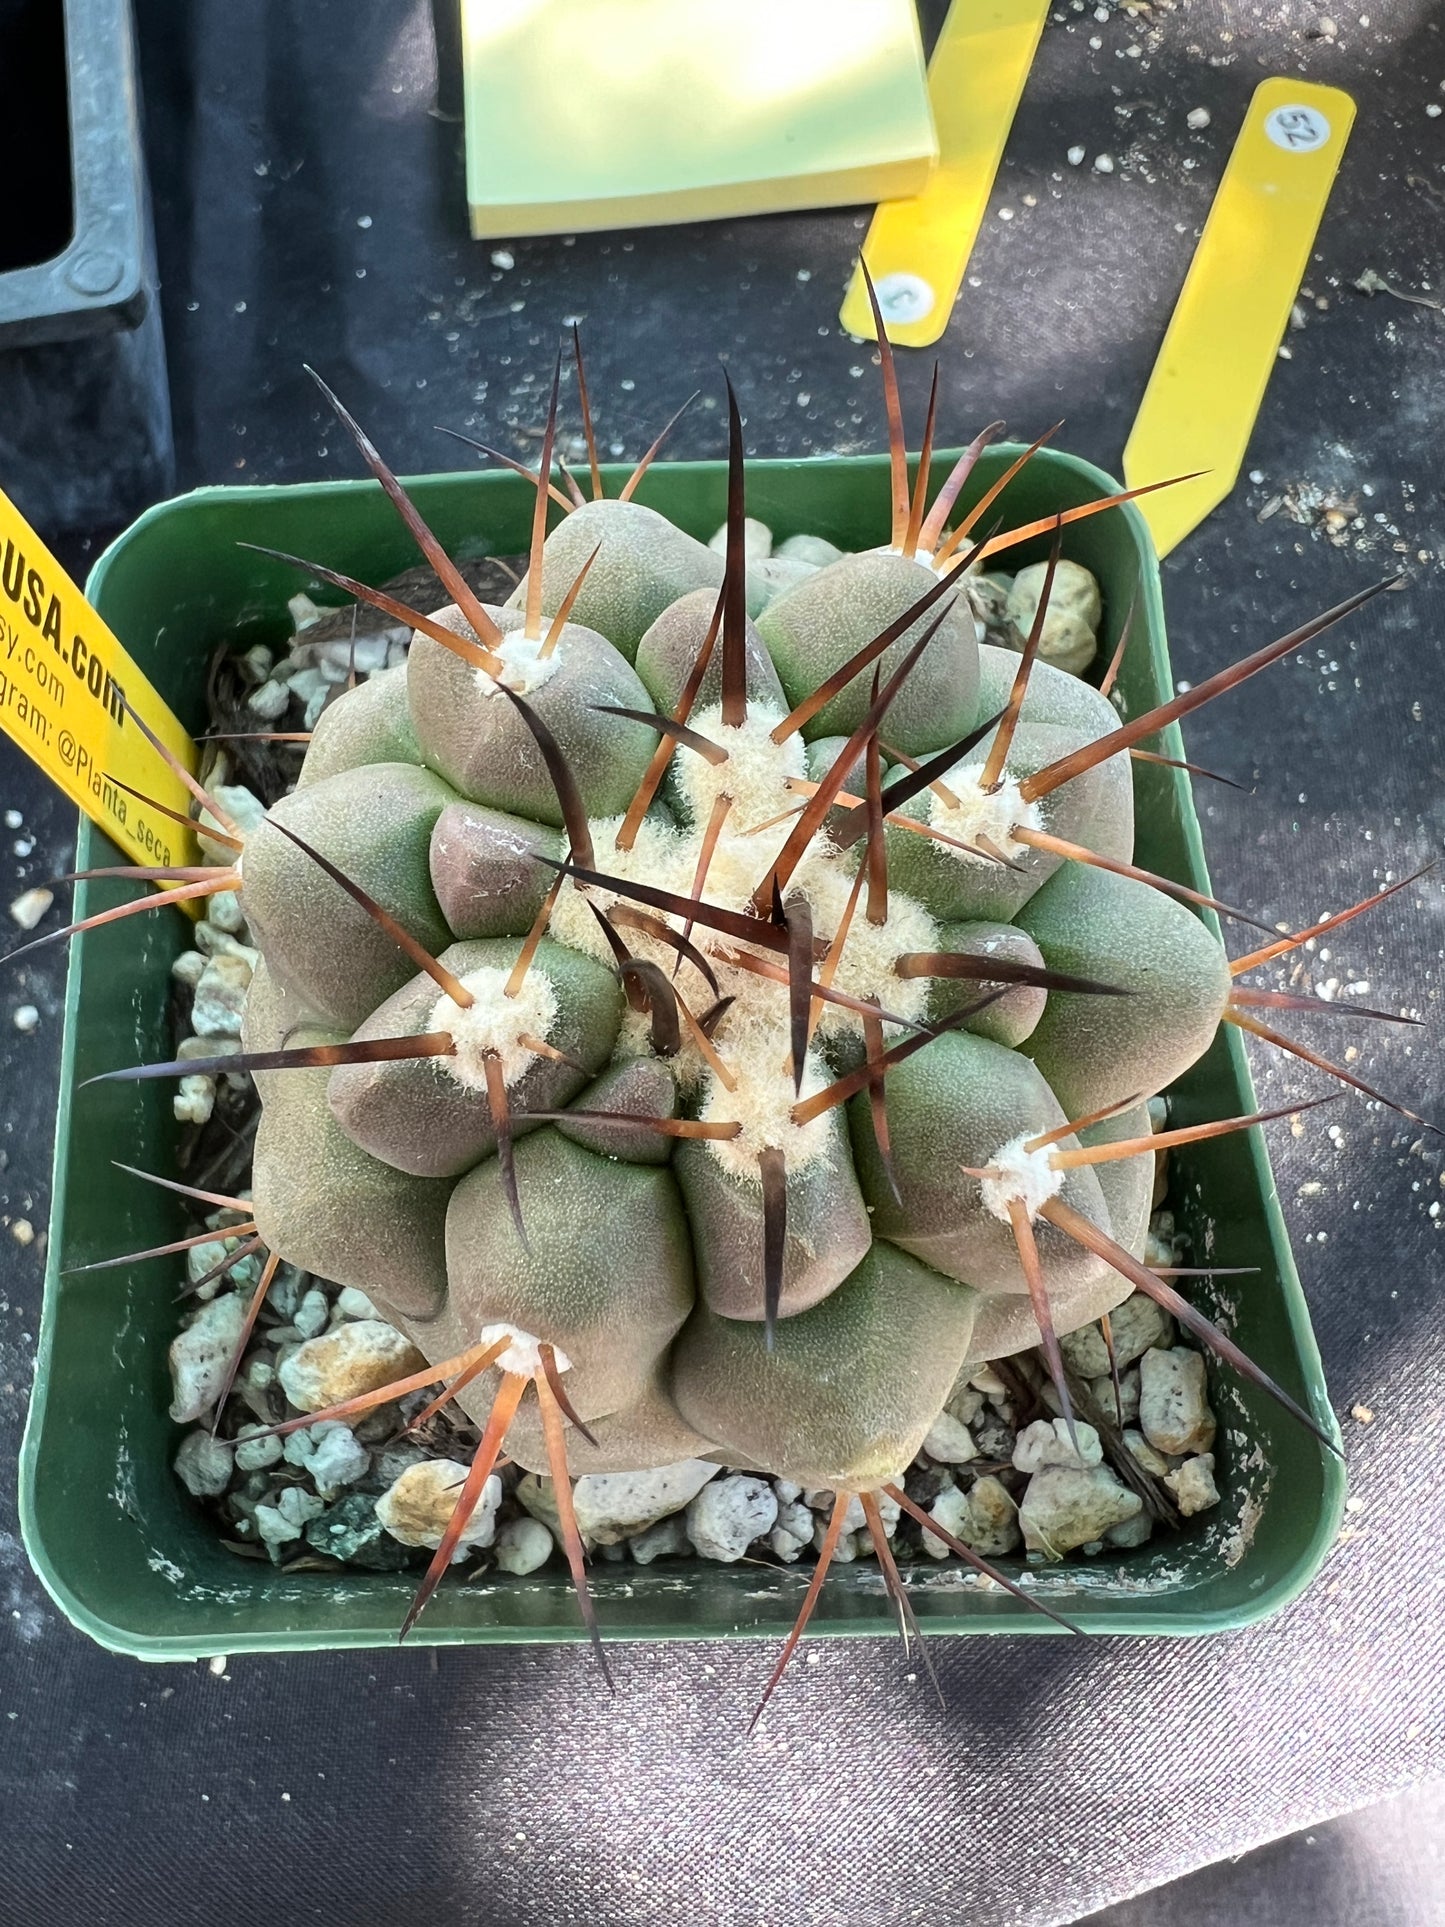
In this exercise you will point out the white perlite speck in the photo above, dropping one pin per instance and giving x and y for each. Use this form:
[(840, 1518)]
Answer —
[(30, 906)]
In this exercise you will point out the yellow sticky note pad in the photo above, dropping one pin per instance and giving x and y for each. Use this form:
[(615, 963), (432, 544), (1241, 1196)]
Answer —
[(917, 249), (65, 683), (1199, 408), (619, 113)]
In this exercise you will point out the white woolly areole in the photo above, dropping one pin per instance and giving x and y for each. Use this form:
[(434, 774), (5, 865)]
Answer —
[(865, 968), (524, 667), (1024, 1177), (756, 771), (995, 814), (493, 1025), (763, 1104), (523, 1354)]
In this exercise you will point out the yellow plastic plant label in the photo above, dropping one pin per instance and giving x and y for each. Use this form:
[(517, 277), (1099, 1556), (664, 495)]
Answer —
[(66, 686), (1199, 409), (917, 249)]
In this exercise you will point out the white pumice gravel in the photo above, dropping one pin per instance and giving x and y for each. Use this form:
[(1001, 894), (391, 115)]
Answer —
[(1193, 1485), (1126, 1408), (194, 1099), (1134, 1326), (311, 1315), (727, 1515), (331, 1453), (667, 1539), (189, 968), (1050, 1442), (293, 1511), (269, 702), (221, 997), (199, 1355), (253, 1454), (1174, 1413), (821, 1501), (1154, 1463), (949, 1440), (522, 1545), (793, 1531), (204, 1465), (1065, 1507), (1069, 637), (342, 1364), (612, 1505), (985, 1518), (417, 1509)]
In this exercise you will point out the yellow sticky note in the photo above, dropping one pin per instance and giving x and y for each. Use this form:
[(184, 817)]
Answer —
[(917, 249), (65, 682), (588, 114), (1200, 405)]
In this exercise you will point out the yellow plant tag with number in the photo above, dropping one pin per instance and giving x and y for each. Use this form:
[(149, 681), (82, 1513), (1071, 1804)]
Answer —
[(917, 249), (1199, 409), (70, 696)]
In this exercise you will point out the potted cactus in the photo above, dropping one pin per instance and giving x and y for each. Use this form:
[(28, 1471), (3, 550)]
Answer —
[(710, 1005)]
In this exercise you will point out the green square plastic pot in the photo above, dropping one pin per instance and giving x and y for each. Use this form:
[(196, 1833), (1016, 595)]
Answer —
[(122, 1549)]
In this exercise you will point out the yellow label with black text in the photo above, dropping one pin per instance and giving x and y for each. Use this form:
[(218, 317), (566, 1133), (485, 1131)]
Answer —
[(917, 249), (1207, 386), (66, 686)]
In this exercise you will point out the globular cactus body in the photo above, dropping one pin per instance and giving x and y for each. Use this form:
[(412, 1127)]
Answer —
[(632, 1236), (725, 1031)]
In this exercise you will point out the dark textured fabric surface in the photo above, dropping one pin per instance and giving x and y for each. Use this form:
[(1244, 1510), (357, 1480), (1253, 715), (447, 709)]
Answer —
[(309, 208), (1381, 1867)]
